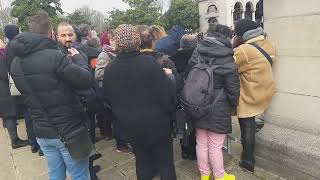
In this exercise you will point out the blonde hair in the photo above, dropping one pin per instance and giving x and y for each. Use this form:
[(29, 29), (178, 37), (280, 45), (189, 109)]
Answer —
[(157, 32), (2, 44)]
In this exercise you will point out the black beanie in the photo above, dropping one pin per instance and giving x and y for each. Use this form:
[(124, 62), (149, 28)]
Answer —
[(10, 31), (243, 26)]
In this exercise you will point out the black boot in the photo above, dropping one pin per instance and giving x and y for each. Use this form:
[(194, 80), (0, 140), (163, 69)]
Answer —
[(40, 152), (96, 168), (94, 176), (18, 143), (247, 165), (34, 149), (96, 156)]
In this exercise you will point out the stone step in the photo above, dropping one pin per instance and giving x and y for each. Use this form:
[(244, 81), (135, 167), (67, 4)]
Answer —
[(290, 153)]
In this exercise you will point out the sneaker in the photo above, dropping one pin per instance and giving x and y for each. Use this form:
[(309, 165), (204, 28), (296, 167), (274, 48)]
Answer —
[(18, 143), (124, 149)]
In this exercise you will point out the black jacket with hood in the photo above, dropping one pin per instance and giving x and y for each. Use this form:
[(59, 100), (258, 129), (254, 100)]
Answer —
[(219, 52), (7, 104), (46, 77)]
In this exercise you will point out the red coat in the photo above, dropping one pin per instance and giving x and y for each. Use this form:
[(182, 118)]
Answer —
[(104, 39)]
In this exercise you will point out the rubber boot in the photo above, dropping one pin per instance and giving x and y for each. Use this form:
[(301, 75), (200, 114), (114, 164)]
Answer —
[(227, 177), (205, 177)]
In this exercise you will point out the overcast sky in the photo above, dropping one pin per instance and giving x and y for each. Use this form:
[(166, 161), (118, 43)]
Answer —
[(101, 5)]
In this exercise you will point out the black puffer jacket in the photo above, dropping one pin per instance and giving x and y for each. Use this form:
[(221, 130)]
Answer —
[(219, 52), (42, 73), (7, 106)]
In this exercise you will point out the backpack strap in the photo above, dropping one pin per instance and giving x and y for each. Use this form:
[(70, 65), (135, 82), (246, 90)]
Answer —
[(265, 54)]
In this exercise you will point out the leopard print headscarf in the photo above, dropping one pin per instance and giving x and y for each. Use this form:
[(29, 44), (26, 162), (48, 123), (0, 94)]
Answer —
[(127, 37)]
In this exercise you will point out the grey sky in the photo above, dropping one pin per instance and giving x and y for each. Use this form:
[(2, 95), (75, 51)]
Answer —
[(100, 5)]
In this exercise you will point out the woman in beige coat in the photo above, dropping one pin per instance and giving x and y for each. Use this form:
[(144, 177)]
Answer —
[(256, 83)]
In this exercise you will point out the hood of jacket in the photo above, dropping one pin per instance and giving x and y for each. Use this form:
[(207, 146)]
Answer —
[(28, 43), (215, 47), (176, 33), (253, 34)]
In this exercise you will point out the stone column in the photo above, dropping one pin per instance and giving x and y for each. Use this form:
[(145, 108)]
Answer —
[(289, 144), (232, 20), (254, 15), (243, 14)]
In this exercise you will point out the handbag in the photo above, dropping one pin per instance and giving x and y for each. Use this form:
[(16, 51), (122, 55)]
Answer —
[(12, 86), (77, 142)]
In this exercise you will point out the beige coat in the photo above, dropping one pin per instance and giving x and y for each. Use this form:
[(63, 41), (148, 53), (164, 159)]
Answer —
[(257, 85)]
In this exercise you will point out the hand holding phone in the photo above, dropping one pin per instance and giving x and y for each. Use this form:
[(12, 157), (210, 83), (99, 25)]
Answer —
[(73, 52)]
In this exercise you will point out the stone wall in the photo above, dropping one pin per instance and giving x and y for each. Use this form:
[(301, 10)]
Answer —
[(290, 142)]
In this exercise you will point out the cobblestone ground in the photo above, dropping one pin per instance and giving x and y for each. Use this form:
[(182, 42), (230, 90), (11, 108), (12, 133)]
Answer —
[(21, 164)]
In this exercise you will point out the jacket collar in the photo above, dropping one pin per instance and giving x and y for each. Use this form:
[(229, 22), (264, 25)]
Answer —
[(259, 38), (127, 54), (146, 50)]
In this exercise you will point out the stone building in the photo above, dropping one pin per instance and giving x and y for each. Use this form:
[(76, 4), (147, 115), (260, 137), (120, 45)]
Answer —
[(227, 12), (290, 141)]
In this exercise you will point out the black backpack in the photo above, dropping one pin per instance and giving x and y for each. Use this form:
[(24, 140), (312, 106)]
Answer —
[(197, 97)]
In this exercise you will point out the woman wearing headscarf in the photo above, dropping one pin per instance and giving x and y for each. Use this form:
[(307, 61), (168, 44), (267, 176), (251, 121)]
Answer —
[(142, 100)]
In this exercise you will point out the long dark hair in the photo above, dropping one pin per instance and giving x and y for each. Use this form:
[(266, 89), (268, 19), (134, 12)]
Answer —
[(220, 31)]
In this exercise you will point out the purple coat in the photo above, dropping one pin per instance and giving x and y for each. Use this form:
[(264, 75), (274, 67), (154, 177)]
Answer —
[(2, 50)]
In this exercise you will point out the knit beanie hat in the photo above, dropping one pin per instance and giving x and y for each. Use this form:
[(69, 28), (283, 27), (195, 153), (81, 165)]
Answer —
[(243, 26), (10, 31), (127, 37)]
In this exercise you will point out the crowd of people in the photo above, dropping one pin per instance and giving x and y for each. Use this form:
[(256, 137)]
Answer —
[(139, 85)]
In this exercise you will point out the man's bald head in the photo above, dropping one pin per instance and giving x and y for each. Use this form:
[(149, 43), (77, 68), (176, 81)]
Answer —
[(66, 35)]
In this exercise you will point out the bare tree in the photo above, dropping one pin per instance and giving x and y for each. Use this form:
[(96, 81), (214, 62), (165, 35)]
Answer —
[(5, 13)]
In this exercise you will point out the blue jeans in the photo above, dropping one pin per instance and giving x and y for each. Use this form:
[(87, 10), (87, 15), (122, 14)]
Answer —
[(59, 161)]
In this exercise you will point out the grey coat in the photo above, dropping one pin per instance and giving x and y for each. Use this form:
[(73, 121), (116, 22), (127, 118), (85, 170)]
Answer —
[(219, 52)]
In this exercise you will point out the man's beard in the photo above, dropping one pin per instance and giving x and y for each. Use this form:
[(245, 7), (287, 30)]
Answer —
[(68, 44)]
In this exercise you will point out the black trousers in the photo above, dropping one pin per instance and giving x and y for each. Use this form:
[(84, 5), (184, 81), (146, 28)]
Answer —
[(188, 144), (92, 127), (104, 122), (118, 133), (11, 125), (159, 157), (248, 131)]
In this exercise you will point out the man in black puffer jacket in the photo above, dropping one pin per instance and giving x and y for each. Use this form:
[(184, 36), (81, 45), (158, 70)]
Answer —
[(66, 37), (46, 79)]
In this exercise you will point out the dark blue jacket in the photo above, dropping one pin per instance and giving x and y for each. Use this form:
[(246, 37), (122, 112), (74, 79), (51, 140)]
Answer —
[(171, 43)]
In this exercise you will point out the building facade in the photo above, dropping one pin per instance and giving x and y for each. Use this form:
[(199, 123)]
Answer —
[(227, 12), (290, 140)]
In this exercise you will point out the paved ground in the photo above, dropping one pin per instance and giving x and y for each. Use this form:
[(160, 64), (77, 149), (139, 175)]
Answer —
[(21, 164)]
